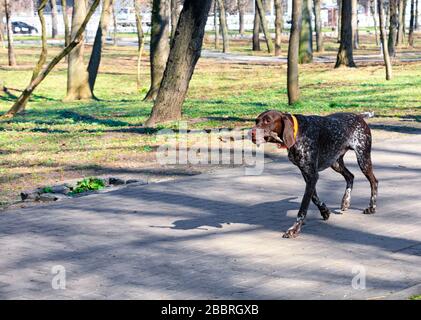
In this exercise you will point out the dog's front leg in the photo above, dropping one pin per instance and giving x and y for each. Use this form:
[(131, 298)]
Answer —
[(311, 180)]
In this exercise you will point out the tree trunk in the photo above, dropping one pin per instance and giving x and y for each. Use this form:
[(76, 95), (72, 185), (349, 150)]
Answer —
[(401, 23), (383, 40), (224, 26), (140, 40), (99, 42), (416, 24), (78, 38), (318, 26), (412, 25), (174, 16), (405, 2), (241, 10), (44, 50), (345, 53), (256, 30), (264, 24), (114, 25), (160, 46), (215, 23), (306, 38), (54, 22), (393, 27), (77, 75), (293, 50), (373, 13), (43, 55), (355, 33), (279, 22), (66, 23), (1, 31), (339, 2), (182, 60), (10, 46)]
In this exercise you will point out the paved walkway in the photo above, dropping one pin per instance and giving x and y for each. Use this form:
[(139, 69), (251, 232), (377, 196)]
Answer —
[(219, 236), (244, 58)]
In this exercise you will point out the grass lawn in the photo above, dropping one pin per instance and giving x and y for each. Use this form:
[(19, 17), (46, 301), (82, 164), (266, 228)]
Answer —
[(55, 141)]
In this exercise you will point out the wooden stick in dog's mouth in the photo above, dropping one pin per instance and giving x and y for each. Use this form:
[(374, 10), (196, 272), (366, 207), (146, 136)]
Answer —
[(275, 136)]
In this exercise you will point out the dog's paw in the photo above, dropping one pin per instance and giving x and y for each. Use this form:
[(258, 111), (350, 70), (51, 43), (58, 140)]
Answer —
[(346, 203), (345, 206), (370, 210), (325, 212), (289, 234), (293, 231)]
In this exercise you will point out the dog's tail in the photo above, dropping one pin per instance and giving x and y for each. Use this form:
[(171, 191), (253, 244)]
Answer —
[(368, 114)]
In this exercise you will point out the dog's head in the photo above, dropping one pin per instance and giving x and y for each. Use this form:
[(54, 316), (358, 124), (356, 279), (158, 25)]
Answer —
[(275, 127)]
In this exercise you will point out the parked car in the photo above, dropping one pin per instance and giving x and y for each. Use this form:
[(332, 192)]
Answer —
[(126, 17), (23, 28)]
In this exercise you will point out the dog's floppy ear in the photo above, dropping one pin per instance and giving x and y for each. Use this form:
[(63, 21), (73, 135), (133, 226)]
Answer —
[(288, 133)]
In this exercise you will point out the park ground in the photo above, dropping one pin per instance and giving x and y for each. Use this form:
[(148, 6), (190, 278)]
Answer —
[(56, 141), (216, 235)]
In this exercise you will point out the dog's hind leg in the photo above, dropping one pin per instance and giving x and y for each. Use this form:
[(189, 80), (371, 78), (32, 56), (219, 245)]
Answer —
[(339, 166), (364, 161)]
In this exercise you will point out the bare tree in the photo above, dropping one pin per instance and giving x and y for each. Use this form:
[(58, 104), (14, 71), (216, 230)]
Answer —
[(175, 11), (256, 30), (66, 23), (140, 39), (1, 27), (355, 31), (279, 22), (159, 45), (411, 25), (339, 3), (215, 23), (77, 75), (44, 50), (10, 46), (318, 26), (386, 57), (306, 35), (241, 4), (54, 22), (401, 23), (405, 2), (264, 25), (393, 27), (26, 94), (184, 54), (224, 26), (373, 14), (345, 54), (115, 29), (293, 50), (99, 42)]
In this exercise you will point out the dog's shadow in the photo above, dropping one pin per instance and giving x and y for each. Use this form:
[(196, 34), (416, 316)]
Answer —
[(267, 214)]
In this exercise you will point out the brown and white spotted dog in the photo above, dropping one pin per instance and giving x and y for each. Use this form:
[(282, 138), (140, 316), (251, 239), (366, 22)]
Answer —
[(314, 144)]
